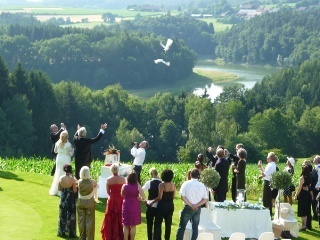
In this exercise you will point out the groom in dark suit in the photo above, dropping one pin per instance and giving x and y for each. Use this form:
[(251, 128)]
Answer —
[(83, 147), (54, 136), (222, 167)]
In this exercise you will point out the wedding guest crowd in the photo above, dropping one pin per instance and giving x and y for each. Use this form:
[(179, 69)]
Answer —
[(123, 211)]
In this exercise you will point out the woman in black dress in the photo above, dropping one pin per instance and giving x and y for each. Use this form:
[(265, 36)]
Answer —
[(165, 208), (303, 195), (240, 170), (67, 207)]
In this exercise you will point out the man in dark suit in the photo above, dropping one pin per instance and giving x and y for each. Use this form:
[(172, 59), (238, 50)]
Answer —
[(54, 136), (83, 147), (222, 167)]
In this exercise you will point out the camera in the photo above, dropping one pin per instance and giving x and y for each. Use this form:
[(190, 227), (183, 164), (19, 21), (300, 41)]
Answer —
[(135, 144)]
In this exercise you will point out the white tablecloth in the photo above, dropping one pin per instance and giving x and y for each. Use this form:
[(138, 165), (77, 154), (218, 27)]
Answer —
[(124, 170), (250, 222)]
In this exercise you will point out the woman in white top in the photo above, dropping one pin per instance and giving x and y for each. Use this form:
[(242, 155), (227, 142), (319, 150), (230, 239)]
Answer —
[(266, 176), (64, 150)]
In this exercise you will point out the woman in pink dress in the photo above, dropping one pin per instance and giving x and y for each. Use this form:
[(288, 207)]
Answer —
[(112, 223), (132, 193)]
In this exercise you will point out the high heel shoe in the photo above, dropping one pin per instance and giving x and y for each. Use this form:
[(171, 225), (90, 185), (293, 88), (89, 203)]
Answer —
[(303, 229)]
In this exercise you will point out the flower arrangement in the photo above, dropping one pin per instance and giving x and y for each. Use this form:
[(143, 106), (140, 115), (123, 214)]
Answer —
[(210, 178), (280, 180), (111, 150), (234, 206)]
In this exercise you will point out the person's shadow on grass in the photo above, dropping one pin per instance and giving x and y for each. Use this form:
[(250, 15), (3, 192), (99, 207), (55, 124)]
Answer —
[(9, 175)]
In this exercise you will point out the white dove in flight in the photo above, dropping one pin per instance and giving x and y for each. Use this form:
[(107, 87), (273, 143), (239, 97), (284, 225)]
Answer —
[(166, 47), (161, 60)]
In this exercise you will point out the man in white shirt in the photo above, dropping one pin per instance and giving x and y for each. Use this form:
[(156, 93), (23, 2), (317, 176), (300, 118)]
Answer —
[(194, 195), (266, 176), (139, 156)]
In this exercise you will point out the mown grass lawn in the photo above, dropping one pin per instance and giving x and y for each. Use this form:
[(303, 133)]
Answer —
[(27, 211)]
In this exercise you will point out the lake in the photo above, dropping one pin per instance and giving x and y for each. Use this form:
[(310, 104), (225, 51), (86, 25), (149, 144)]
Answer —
[(247, 75)]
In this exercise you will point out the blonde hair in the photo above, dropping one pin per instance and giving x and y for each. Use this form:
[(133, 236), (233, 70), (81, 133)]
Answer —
[(85, 173), (273, 157), (63, 138), (153, 172), (114, 168), (82, 132)]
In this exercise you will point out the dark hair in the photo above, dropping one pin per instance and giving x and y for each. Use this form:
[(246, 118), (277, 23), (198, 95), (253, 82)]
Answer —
[(306, 175), (242, 153), (195, 173), (67, 168), (167, 175), (200, 157), (220, 146), (132, 178)]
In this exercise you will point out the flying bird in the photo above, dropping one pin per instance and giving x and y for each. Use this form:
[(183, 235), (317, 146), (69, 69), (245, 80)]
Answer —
[(167, 46), (161, 60)]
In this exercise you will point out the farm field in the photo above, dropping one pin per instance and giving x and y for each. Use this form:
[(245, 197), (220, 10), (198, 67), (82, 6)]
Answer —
[(94, 15), (24, 193)]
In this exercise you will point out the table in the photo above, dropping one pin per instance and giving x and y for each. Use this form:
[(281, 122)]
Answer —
[(124, 170), (248, 221)]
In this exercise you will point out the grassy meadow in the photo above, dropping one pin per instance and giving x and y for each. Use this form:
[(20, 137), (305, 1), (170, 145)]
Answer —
[(31, 213)]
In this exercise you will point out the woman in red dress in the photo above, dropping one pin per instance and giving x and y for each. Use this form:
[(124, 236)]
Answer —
[(112, 228)]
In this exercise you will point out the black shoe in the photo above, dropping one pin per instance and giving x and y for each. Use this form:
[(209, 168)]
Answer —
[(315, 217), (61, 235), (73, 236)]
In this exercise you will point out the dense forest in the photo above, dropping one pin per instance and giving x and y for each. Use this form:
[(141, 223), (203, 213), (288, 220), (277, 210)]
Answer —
[(286, 38), (281, 113), (94, 57), (197, 35), (50, 74), (125, 53)]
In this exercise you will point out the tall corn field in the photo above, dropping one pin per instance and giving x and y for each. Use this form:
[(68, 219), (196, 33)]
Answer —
[(43, 166)]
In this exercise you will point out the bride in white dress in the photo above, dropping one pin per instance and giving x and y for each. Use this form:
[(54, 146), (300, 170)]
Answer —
[(64, 151)]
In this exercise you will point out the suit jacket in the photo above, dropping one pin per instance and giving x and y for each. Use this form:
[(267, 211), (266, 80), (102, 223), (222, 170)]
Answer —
[(222, 167), (83, 148), (212, 159), (54, 136)]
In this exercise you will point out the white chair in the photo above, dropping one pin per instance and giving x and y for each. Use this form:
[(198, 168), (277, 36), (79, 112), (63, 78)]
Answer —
[(206, 225), (285, 219), (205, 236), (266, 236), (237, 236)]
